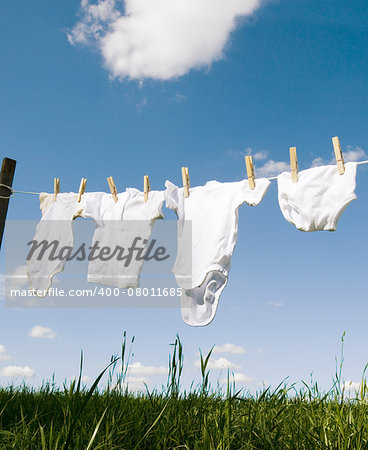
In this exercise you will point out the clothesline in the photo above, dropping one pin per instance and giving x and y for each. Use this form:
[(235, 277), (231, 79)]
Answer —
[(275, 177), (13, 192), (314, 203)]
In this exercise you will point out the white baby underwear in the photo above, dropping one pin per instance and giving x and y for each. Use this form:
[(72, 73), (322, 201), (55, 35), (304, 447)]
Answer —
[(207, 234), (56, 230), (319, 197), (119, 226)]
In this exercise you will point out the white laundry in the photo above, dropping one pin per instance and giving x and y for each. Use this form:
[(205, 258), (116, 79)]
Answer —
[(319, 197), (208, 225), (55, 228), (118, 226)]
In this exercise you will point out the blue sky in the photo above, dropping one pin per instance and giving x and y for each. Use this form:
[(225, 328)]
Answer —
[(292, 73)]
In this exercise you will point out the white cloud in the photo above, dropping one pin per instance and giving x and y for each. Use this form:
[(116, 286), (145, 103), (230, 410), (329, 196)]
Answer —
[(18, 279), (276, 304), (17, 371), (140, 369), (317, 162), (352, 386), (3, 353), (220, 363), (2, 285), (258, 156), (238, 378), (352, 154), (42, 332), (272, 168), (229, 348), (136, 383), (159, 39)]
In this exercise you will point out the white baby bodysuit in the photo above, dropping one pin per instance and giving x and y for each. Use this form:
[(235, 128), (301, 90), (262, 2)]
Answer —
[(319, 197), (118, 225), (207, 234), (55, 228)]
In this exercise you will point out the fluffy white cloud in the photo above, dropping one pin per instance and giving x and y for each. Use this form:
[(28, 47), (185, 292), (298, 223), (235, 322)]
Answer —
[(317, 162), (220, 363), (158, 39), (258, 156), (17, 371), (272, 168), (18, 279), (354, 154), (3, 353), (42, 332), (354, 386), (229, 348), (2, 286), (140, 369), (238, 378), (137, 383), (351, 154)]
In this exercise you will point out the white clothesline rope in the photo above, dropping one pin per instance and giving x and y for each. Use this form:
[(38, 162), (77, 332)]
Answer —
[(13, 192)]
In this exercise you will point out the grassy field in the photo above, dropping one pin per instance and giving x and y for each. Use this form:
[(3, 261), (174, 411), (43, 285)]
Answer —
[(75, 417)]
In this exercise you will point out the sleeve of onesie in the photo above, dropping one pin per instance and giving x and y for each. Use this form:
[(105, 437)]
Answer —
[(45, 201), (155, 202), (243, 193), (92, 205), (171, 196)]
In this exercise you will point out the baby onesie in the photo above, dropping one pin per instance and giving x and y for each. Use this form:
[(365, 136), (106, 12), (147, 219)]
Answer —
[(319, 197), (207, 234), (55, 226), (118, 225)]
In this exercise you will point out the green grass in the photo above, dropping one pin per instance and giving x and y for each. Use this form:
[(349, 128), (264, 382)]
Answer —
[(75, 417)]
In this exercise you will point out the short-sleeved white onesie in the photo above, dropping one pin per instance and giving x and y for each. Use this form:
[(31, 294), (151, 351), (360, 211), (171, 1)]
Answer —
[(55, 226), (209, 216), (118, 225)]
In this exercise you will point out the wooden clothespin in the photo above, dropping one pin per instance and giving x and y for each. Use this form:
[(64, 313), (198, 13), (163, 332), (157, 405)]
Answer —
[(56, 187), (338, 155), (146, 187), (250, 171), (293, 165), (113, 189), (186, 181), (82, 188)]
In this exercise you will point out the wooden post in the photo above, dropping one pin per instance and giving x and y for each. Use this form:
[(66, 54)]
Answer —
[(6, 178)]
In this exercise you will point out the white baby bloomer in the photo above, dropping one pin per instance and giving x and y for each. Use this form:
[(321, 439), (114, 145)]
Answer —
[(119, 224), (55, 225), (319, 197), (208, 220)]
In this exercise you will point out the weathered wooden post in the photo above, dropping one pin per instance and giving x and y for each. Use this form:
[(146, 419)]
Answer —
[(6, 179)]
